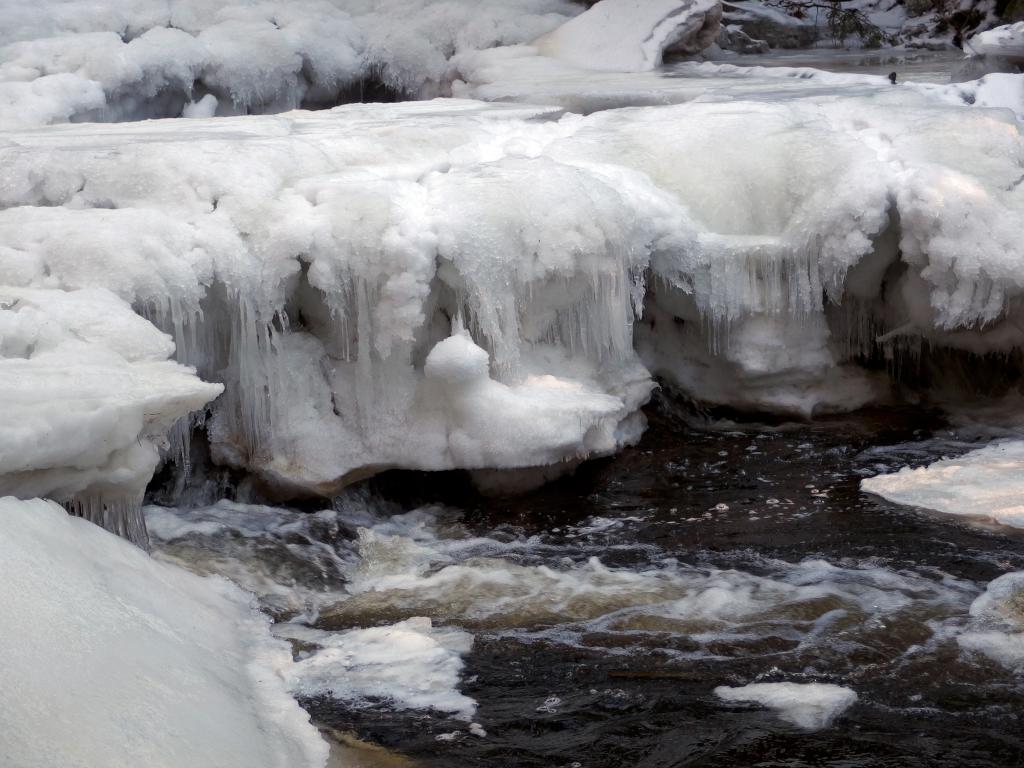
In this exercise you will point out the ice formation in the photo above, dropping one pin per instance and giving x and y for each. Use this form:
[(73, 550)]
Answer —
[(117, 660), (811, 706), (87, 397), (453, 284), (66, 60)]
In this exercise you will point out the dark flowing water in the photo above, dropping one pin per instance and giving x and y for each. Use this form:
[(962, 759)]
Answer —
[(729, 553)]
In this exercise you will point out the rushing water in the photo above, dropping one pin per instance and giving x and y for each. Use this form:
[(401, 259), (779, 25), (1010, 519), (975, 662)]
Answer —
[(605, 608)]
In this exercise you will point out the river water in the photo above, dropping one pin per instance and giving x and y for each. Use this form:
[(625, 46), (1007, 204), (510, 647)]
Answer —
[(595, 617)]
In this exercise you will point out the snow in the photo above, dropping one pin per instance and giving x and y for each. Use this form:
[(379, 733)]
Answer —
[(119, 660), (987, 484), (811, 706), (632, 35), (66, 60), (1005, 42), (408, 665)]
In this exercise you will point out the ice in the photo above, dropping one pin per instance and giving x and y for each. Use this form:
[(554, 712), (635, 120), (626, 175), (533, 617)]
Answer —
[(408, 665), (119, 660), (66, 60), (811, 706), (118, 397), (632, 35), (987, 484)]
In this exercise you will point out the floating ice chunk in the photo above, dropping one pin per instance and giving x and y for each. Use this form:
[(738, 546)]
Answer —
[(987, 484), (1005, 42), (632, 35), (410, 665), (811, 706), (126, 661)]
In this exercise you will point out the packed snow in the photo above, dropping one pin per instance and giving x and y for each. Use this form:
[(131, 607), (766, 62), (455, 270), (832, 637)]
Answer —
[(811, 706), (987, 484), (424, 280), (116, 660)]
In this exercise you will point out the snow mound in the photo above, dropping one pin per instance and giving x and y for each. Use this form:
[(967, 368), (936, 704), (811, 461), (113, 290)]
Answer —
[(87, 397), (66, 60), (811, 706), (410, 665), (987, 484), (124, 661), (632, 35)]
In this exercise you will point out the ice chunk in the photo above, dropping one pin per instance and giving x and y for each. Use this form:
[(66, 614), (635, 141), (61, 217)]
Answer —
[(124, 661), (632, 35), (811, 706), (410, 665), (987, 484)]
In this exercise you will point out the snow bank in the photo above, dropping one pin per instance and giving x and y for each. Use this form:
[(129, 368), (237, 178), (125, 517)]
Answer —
[(66, 60), (409, 665), (811, 706), (87, 397), (632, 35), (987, 484), (123, 661)]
